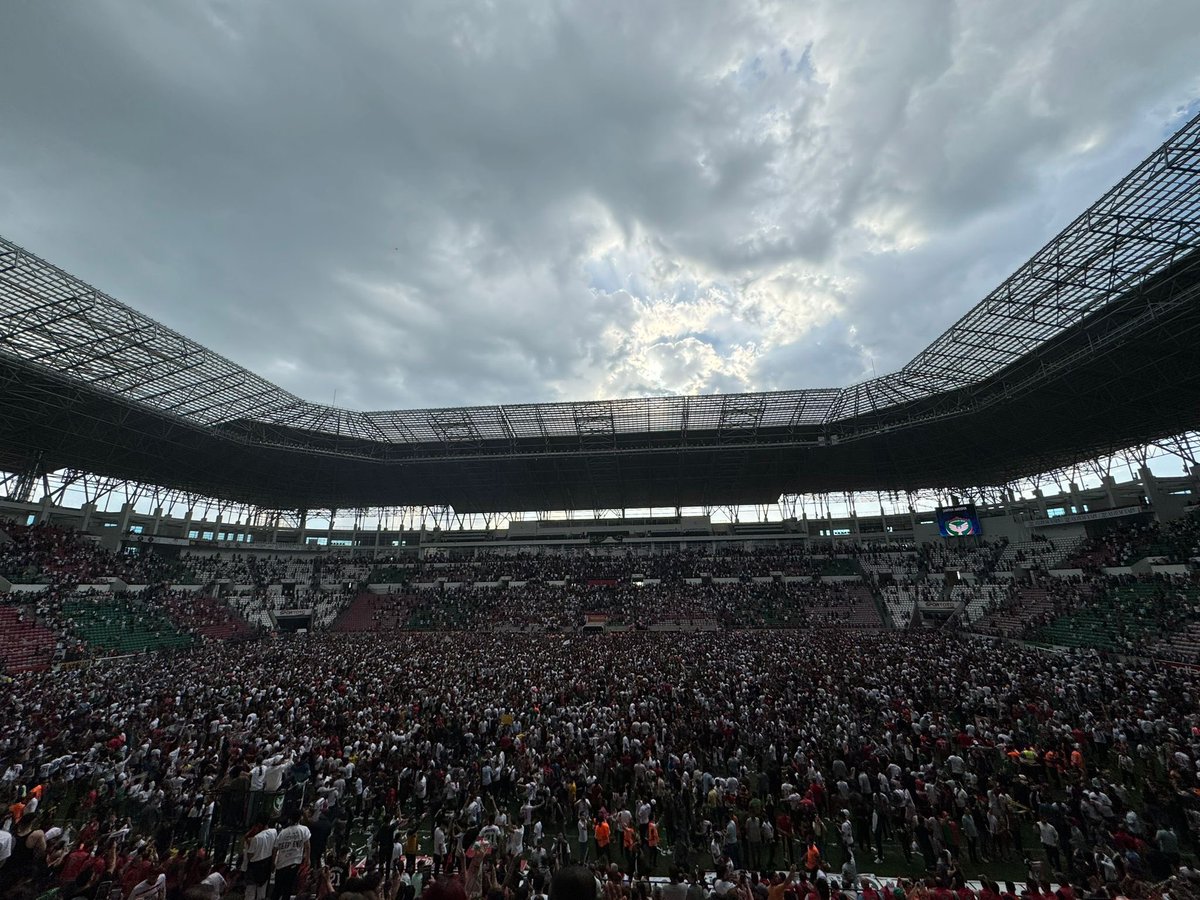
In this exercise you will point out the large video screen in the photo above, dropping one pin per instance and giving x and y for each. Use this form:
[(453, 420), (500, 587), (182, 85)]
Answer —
[(958, 521)]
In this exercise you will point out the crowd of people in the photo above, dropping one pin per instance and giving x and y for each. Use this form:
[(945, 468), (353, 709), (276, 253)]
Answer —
[(1125, 543), (473, 740), (1134, 612), (48, 554), (584, 565), (831, 750), (258, 570), (538, 606)]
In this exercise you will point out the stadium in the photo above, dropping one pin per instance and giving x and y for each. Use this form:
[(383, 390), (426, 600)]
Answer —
[(925, 634)]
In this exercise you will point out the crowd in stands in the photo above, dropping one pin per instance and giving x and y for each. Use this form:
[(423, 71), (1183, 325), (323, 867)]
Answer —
[(977, 599), (894, 564), (537, 606), (1124, 614), (899, 579), (258, 606), (459, 759), (70, 609), (903, 600), (98, 623), (45, 553), (1126, 543), (1037, 553), (608, 564), (259, 569), (1115, 547), (198, 614), (977, 559)]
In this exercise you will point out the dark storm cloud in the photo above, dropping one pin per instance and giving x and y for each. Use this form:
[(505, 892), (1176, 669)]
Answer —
[(442, 203)]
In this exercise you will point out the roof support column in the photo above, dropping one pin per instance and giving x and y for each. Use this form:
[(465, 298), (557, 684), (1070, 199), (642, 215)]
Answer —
[(43, 515), (1040, 499), (1151, 488), (1109, 484)]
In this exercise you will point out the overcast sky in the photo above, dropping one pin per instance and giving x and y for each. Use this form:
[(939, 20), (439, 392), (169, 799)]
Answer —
[(449, 203)]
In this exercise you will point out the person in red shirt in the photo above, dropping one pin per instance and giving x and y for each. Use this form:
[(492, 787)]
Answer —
[(818, 796), (75, 862), (89, 833), (137, 870), (783, 831)]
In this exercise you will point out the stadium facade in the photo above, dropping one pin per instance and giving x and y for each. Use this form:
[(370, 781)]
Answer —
[(1066, 517)]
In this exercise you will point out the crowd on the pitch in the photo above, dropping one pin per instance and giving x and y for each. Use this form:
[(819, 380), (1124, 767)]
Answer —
[(834, 750)]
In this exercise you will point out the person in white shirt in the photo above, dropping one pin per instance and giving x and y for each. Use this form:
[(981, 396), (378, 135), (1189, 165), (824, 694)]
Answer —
[(213, 885), (152, 887), (584, 839), (516, 841), (292, 847), (277, 767), (474, 811), (439, 849), (643, 819), (490, 833), (259, 850), (257, 776)]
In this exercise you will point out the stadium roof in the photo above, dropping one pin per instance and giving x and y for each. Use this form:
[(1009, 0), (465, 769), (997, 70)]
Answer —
[(1088, 348)]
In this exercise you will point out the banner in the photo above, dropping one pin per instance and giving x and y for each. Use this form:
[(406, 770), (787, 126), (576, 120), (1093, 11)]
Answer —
[(1089, 516)]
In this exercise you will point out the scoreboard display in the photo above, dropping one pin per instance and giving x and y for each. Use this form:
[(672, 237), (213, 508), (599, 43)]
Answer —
[(958, 521)]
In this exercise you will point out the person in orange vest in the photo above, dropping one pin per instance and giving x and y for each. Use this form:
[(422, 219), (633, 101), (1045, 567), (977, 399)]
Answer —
[(1077, 762), (812, 860), (629, 838), (603, 833), (652, 844)]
